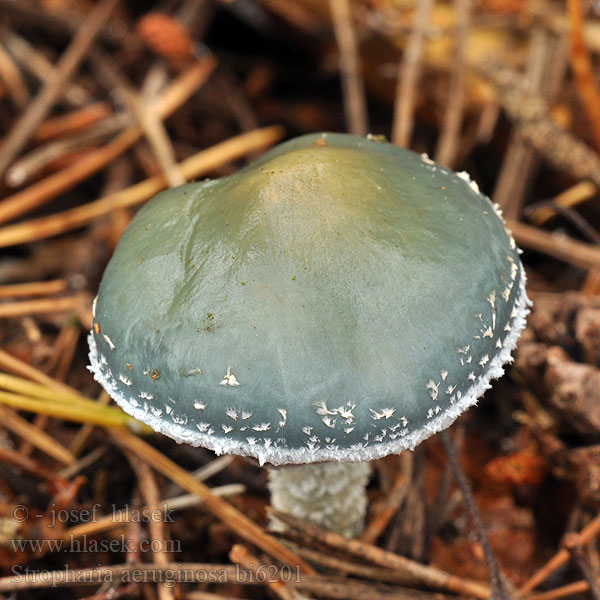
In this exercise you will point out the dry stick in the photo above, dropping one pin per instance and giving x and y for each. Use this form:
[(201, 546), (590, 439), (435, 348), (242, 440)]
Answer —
[(45, 190), (445, 502), (33, 288), (32, 389), (82, 463), (158, 534), (39, 193), (581, 64), (41, 68), (530, 114), (72, 122), (200, 572), (78, 412), (580, 254), (42, 579), (35, 436), (499, 589), (31, 164), (521, 162), (118, 518), (51, 92), (580, 222), (41, 306), (571, 543), (355, 104), (358, 570), (196, 165), (12, 457), (392, 503), (206, 471), (571, 197), (25, 370), (148, 120), (407, 532), (588, 533), (16, 389), (227, 513), (242, 556), (12, 79), (63, 353), (571, 589), (447, 148), (408, 75), (351, 589), (430, 576), (80, 440)]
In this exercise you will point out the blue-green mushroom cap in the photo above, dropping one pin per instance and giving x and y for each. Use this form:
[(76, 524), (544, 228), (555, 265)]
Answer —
[(339, 299)]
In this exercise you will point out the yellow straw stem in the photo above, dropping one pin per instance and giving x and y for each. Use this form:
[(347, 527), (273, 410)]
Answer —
[(79, 412)]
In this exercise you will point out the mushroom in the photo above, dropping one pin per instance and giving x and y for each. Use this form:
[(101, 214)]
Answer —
[(338, 300)]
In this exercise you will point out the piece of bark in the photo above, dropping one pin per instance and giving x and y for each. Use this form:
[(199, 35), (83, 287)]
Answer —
[(574, 389)]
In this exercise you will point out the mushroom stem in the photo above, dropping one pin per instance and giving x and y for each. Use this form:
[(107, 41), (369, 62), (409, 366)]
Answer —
[(328, 494)]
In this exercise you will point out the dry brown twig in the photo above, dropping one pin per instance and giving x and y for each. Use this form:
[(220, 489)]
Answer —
[(34, 162), (42, 306), (521, 162), (11, 77), (354, 569), (570, 198), (233, 518), (33, 288), (158, 532), (22, 369), (408, 76), (93, 576), (26, 464), (499, 589), (581, 63), (117, 519), (447, 146), (35, 436), (150, 122), (192, 167), (178, 92), (72, 122), (580, 254), (588, 533), (430, 576), (392, 503), (355, 103), (330, 587), (572, 544), (37, 65), (564, 591), (43, 102), (530, 115)]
